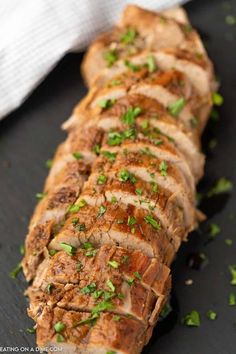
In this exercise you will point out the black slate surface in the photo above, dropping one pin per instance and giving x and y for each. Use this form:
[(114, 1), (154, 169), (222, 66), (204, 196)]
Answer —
[(28, 138)]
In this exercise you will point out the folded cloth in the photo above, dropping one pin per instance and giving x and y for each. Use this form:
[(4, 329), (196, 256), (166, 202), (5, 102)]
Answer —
[(35, 35)]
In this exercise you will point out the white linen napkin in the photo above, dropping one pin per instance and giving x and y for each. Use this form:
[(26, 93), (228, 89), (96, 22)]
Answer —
[(36, 34)]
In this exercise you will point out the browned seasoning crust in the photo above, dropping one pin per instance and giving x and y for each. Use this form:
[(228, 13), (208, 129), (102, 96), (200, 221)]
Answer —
[(120, 195)]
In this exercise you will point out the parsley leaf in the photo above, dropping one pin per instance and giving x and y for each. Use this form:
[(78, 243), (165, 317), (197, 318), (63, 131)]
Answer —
[(101, 179), (150, 220), (129, 36), (69, 249), (232, 269), (223, 185), (16, 271), (151, 63), (176, 107), (211, 315), (163, 167), (232, 299), (130, 115), (113, 264), (59, 327), (77, 155), (132, 66), (192, 319), (101, 211), (106, 103), (89, 289), (111, 57), (111, 156)]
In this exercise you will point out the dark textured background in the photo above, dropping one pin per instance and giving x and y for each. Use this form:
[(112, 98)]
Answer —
[(29, 136)]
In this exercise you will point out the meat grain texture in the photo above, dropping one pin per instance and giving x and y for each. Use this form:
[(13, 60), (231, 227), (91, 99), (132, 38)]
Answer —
[(120, 195)]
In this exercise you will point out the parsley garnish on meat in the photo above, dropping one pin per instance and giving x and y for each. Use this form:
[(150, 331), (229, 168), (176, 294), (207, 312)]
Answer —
[(163, 167), (111, 351), (129, 36), (110, 285), (106, 103), (125, 175), (132, 66), (232, 269), (59, 327), (69, 249), (137, 275), (74, 208), (130, 281), (52, 252), (77, 155), (101, 211), (116, 318), (101, 179), (111, 156), (60, 338), (151, 63), (115, 138), (131, 220), (89, 289), (176, 107), (96, 148), (150, 220), (130, 115), (113, 264), (49, 288), (111, 57), (138, 191), (192, 319), (113, 199)]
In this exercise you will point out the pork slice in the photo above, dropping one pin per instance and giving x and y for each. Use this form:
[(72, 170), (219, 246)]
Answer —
[(126, 336), (113, 227)]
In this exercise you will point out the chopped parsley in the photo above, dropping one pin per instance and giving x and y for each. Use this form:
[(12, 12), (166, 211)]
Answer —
[(138, 191), (129, 36), (154, 187), (89, 289), (131, 220), (111, 156), (88, 320), (232, 269), (115, 83), (49, 288), (113, 199), (31, 330), (74, 208), (223, 185), (151, 63), (102, 306), (124, 259), (150, 220), (101, 179), (217, 99), (130, 115), (111, 351), (48, 163), (230, 20), (79, 266), (96, 149), (130, 281), (116, 318), (167, 309), (125, 175), (52, 252), (59, 327), (192, 319), (110, 285), (113, 264), (69, 249), (22, 250), (132, 66), (176, 107), (60, 338), (137, 275), (115, 138), (163, 167), (77, 155), (40, 196), (111, 57), (232, 299), (101, 211), (211, 315), (14, 273), (228, 242), (106, 103), (214, 230)]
